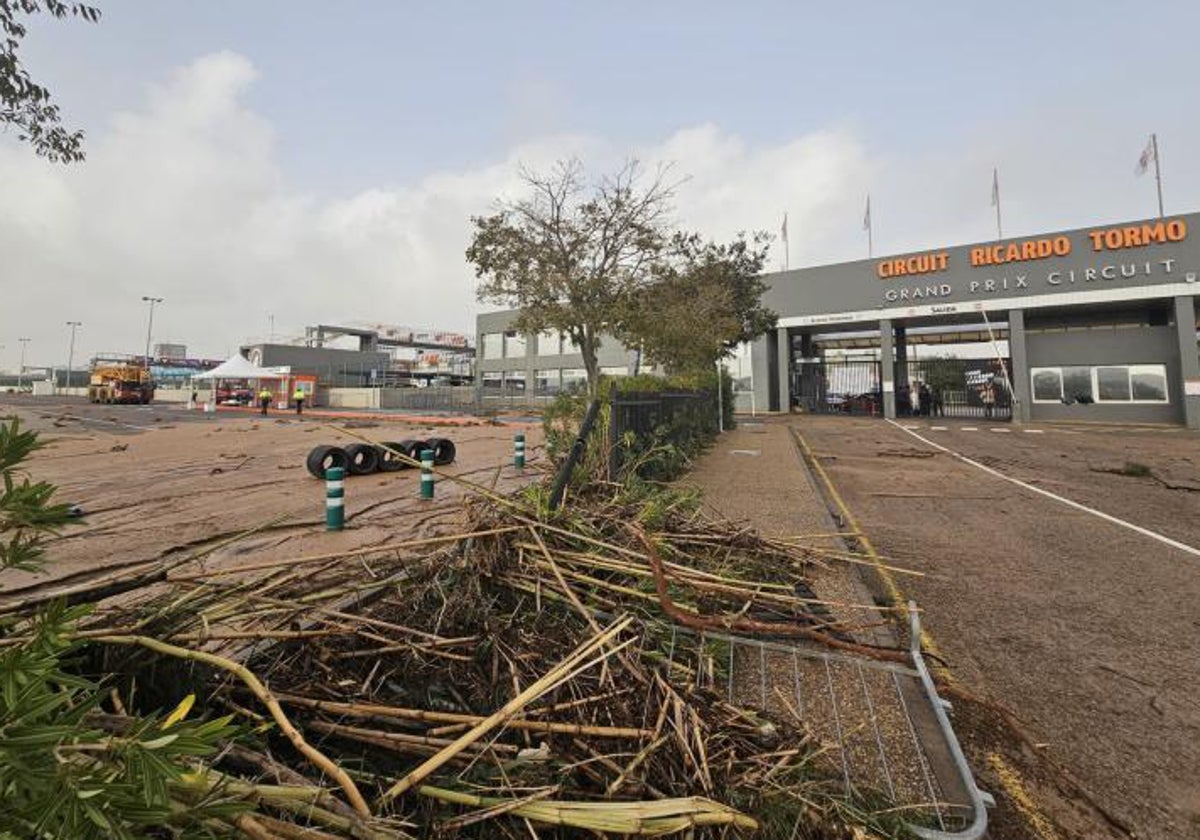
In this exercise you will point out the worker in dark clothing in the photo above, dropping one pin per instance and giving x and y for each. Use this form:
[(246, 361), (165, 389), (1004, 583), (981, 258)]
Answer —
[(298, 399)]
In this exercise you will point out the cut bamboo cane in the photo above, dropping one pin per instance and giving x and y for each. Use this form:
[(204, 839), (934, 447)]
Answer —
[(556, 675), (264, 695)]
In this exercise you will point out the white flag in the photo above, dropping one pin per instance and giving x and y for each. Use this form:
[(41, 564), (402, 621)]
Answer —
[(1147, 157), (867, 215), (995, 188), (783, 230)]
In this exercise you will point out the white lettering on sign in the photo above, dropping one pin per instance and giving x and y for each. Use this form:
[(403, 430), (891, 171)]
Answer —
[(1008, 283)]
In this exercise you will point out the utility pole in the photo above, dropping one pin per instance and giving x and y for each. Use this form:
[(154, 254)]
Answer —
[(71, 351), (150, 324), (21, 370)]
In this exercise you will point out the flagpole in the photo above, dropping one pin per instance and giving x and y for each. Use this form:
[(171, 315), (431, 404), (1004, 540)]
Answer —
[(870, 229), (996, 195), (1157, 172)]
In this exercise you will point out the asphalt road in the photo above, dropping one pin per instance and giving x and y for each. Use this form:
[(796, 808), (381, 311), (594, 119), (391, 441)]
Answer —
[(1088, 631)]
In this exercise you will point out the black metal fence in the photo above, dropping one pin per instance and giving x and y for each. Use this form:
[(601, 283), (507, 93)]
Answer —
[(955, 388), (677, 423), (838, 387)]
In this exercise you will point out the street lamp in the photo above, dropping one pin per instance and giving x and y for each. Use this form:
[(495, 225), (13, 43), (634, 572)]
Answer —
[(71, 352), (21, 370), (150, 324)]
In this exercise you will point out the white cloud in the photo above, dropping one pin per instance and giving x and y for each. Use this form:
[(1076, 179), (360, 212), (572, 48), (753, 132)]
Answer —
[(184, 199)]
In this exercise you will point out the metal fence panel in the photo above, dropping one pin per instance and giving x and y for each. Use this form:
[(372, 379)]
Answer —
[(949, 387), (838, 387)]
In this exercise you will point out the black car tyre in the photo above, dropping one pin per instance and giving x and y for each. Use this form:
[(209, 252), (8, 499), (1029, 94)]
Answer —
[(389, 462), (443, 450), (324, 457), (363, 459)]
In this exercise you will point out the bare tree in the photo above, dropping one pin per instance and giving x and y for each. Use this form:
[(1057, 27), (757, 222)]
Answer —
[(569, 255)]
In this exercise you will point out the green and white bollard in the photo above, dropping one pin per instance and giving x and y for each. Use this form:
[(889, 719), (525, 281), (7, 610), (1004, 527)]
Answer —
[(335, 501), (426, 473), (519, 451)]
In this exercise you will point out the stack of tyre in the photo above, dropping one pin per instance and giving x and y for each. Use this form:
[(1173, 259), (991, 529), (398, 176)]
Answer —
[(365, 458)]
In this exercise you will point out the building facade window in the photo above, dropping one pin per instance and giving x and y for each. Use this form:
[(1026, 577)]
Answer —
[(1103, 384), (573, 378), (493, 381), (514, 345), (615, 371), (514, 380), (548, 381), (493, 345), (549, 343)]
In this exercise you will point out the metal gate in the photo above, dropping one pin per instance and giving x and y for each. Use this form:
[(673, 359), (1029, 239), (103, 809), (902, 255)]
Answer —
[(965, 388), (838, 387)]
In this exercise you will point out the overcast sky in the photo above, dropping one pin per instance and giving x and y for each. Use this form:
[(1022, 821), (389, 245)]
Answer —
[(319, 161)]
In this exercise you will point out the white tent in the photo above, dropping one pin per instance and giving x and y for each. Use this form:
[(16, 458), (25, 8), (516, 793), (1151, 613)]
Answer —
[(239, 367), (235, 367)]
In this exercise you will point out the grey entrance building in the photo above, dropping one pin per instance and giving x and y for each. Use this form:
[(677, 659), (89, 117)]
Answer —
[(1096, 324)]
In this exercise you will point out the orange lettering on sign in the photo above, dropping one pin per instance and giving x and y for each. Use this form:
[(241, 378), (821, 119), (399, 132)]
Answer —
[(1137, 236), (916, 264), (1029, 249)]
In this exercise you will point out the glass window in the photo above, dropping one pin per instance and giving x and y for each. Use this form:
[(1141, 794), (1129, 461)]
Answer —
[(1112, 384), (1149, 383), (514, 345), (568, 345), (549, 344), (548, 381), (1077, 384), (493, 380), (1047, 385), (573, 378), (493, 345), (623, 370)]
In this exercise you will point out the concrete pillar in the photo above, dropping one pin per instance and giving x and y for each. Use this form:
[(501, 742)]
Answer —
[(1189, 363), (761, 371), (806, 345), (1022, 393), (784, 369), (887, 362), (531, 363)]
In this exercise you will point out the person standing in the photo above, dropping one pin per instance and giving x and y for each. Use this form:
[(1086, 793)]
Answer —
[(264, 400), (987, 395), (914, 396), (298, 399)]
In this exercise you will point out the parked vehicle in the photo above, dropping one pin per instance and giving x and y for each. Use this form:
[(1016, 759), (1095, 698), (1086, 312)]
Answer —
[(120, 382)]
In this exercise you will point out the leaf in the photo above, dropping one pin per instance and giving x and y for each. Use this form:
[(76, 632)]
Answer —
[(185, 706), (158, 743)]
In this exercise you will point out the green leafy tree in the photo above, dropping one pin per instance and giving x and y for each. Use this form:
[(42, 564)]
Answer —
[(28, 513), (569, 254), (24, 104), (703, 302)]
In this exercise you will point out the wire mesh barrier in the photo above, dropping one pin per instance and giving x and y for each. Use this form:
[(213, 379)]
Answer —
[(956, 388), (654, 429), (838, 387)]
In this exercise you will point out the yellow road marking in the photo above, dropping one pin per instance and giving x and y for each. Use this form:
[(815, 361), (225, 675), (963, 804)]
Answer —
[(1008, 776), (1010, 779)]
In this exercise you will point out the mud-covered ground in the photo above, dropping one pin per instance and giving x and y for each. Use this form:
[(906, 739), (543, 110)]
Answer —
[(160, 483), (1087, 630)]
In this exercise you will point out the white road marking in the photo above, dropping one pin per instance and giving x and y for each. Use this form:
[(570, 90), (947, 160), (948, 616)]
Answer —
[(1033, 431), (908, 427), (1146, 532), (937, 428), (968, 429), (1001, 431)]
